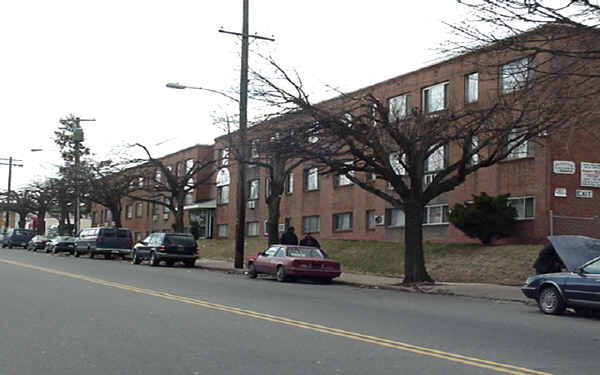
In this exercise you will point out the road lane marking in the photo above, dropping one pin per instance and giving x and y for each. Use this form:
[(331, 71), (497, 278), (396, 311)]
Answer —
[(458, 358)]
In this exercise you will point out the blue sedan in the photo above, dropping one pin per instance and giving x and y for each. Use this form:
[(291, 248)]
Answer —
[(578, 287)]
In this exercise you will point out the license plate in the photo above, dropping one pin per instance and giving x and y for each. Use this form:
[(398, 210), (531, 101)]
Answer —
[(316, 266), (23, 243), (115, 251)]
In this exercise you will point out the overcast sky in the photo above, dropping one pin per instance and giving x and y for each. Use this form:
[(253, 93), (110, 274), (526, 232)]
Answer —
[(110, 60)]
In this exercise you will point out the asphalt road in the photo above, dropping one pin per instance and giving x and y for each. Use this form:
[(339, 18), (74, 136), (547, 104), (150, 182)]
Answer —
[(63, 315)]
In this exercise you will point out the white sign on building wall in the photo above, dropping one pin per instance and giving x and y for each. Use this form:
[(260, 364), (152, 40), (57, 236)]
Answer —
[(590, 174), (563, 167)]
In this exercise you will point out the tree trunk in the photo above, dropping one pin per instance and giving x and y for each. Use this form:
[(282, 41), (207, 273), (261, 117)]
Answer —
[(273, 219), (414, 259), (179, 226), (41, 214), (22, 218), (116, 214)]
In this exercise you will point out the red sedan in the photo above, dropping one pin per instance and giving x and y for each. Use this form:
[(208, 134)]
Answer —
[(290, 261)]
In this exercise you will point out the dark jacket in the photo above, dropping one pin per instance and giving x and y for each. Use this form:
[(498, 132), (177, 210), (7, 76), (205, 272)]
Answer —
[(289, 238), (547, 261), (310, 241)]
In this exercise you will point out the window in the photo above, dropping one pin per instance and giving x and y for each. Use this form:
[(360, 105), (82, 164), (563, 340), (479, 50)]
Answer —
[(342, 179), (189, 198), (516, 75), (254, 150), (373, 113), (311, 179), (154, 212), (167, 201), (524, 206), (141, 182), (253, 189), (267, 187), (313, 134), (139, 209), (157, 175), (471, 87), (396, 162), (435, 98), (129, 211), (252, 228), (437, 214), (189, 164), (342, 221), (371, 223), (519, 148), (289, 183), (223, 186), (474, 146), (396, 217), (437, 160), (222, 230), (399, 107), (311, 224)]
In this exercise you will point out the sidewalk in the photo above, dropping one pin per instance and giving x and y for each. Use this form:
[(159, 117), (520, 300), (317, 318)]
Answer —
[(475, 290)]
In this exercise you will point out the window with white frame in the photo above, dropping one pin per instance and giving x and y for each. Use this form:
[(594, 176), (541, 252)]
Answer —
[(189, 164), (223, 186), (189, 198), (166, 208), (518, 147), (399, 107), (524, 206), (253, 189), (267, 187), (313, 133), (472, 87), (289, 183), (157, 175), (371, 221), (474, 146), (374, 114), (129, 210), (435, 98), (254, 149), (516, 74), (342, 221), (436, 214), (252, 228), (141, 182), (395, 218), (311, 224), (311, 179), (222, 230), (342, 179), (139, 209), (396, 162), (436, 160), (348, 119)]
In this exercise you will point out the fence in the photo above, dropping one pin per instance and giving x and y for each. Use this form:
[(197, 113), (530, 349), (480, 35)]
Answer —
[(564, 225)]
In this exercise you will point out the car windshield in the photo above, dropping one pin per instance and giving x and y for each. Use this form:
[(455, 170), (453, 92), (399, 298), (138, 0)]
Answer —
[(180, 240), (305, 252), (64, 238)]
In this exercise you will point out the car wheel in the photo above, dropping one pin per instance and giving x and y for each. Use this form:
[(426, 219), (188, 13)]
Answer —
[(252, 271), (281, 275), (326, 280), (76, 253), (10, 246), (170, 263), (54, 250), (91, 254), (189, 263), (135, 259), (550, 301), (48, 250), (154, 259), (107, 256)]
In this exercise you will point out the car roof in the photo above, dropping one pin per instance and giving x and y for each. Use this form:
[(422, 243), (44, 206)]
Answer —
[(575, 251)]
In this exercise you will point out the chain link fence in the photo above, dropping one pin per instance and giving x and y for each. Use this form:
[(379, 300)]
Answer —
[(574, 225)]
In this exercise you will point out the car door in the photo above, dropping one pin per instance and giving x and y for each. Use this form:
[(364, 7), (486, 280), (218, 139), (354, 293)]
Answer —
[(262, 262), (141, 248), (584, 288)]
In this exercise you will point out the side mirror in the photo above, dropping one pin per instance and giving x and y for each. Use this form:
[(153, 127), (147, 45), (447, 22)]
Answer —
[(579, 271), (262, 253)]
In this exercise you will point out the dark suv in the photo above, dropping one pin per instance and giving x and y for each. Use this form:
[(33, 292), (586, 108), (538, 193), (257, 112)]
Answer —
[(167, 247), (107, 241), (17, 237)]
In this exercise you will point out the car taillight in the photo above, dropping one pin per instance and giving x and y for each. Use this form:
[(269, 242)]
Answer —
[(130, 242), (99, 239), (161, 248)]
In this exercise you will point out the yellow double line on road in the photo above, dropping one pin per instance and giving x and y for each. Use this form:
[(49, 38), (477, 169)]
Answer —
[(466, 360)]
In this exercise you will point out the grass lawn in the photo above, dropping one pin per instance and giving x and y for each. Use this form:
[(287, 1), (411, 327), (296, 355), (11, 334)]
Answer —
[(502, 264)]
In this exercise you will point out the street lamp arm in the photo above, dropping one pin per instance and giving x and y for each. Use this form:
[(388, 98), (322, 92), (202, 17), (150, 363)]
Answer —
[(181, 87)]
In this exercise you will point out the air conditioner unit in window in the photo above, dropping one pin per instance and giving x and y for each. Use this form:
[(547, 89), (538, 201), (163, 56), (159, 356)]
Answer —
[(379, 220), (252, 204)]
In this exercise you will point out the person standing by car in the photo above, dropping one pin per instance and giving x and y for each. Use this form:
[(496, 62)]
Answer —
[(309, 240), (547, 261), (289, 237)]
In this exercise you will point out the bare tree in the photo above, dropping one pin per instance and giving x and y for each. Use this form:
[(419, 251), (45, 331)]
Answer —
[(168, 187), (43, 196), (21, 202), (367, 140)]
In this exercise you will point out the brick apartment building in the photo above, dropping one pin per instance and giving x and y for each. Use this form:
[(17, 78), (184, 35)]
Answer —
[(553, 181), (145, 217)]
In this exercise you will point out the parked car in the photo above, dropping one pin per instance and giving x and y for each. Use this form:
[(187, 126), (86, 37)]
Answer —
[(107, 241), (61, 244), (38, 242), (17, 237), (578, 287), (167, 247), (291, 261)]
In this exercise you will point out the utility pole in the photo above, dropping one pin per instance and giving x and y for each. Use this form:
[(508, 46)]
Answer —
[(3, 161), (240, 222)]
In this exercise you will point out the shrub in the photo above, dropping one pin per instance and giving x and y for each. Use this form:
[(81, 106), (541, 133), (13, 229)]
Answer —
[(195, 229), (485, 218)]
